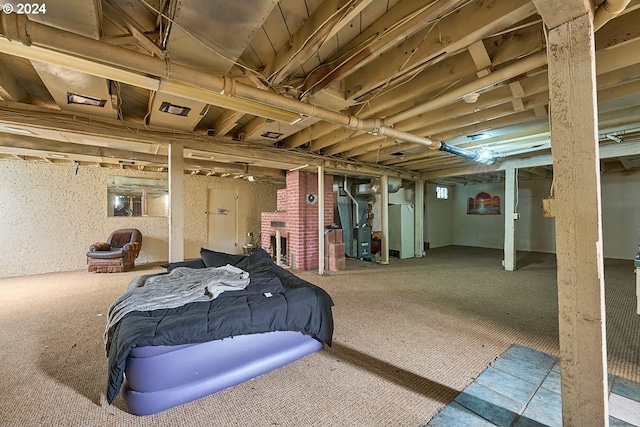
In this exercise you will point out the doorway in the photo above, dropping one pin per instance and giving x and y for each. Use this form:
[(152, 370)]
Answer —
[(222, 213)]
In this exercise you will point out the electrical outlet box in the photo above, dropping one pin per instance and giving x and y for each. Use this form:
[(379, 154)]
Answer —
[(548, 208)]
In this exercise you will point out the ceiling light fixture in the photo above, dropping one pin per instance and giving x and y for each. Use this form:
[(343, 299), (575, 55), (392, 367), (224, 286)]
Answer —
[(299, 119), (471, 98), (486, 157), (176, 110), (74, 98)]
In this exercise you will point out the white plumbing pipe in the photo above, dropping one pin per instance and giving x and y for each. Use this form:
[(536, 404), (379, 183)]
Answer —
[(69, 45), (607, 11), (533, 61)]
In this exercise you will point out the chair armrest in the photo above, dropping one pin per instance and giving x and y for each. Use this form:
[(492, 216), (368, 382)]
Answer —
[(132, 247), (99, 246)]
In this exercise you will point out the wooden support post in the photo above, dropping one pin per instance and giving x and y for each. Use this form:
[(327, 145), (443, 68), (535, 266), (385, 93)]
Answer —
[(176, 202), (574, 142), (510, 216), (384, 219), (419, 218)]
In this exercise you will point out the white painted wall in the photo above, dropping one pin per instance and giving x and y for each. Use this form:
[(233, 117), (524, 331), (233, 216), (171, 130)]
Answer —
[(438, 224), (485, 231), (620, 217), (49, 216), (620, 214), (534, 232)]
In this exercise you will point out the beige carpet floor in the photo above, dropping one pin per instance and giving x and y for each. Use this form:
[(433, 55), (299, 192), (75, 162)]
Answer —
[(408, 338)]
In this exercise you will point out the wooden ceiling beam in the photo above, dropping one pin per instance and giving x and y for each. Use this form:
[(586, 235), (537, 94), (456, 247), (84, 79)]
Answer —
[(447, 73), (320, 26), (442, 124), (10, 90), (404, 19), (456, 31), (226, 122), (64, 126), (481, 58)]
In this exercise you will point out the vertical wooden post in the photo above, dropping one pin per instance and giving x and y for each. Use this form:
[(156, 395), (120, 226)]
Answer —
[(384, 219), (510, 189), (176, 202), (419, 218), (574, 142)]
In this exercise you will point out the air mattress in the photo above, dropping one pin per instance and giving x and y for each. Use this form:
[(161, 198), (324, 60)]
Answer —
[(161, 377)]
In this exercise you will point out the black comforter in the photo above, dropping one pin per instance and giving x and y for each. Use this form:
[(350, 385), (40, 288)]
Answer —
[(294, 305)]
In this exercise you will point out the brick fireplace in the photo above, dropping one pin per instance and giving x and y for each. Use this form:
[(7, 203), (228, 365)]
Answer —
[(296, 217)]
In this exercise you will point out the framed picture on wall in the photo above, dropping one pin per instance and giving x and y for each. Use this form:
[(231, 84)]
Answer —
[(483, 204)]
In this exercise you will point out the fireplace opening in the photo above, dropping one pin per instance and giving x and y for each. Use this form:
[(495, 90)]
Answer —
[(283, 248)]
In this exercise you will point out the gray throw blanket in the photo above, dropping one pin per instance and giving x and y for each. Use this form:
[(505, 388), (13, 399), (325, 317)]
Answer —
[(181, 286)]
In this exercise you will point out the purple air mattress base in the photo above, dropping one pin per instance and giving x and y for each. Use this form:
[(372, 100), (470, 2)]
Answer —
[(162, 377)]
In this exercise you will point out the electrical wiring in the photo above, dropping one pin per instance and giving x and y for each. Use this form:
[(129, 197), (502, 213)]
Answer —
[(119, 105), (379, 91), (368, 41), (310, 37)]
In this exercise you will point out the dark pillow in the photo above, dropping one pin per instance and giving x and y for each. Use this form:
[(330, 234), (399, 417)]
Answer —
[(219, 259), (251, 259), (192, 263)]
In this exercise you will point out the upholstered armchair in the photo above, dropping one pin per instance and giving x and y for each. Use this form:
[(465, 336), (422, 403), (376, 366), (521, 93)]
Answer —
[(117, 254)]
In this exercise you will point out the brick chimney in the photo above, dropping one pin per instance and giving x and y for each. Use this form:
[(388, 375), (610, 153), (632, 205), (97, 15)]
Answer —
[(296, 218)]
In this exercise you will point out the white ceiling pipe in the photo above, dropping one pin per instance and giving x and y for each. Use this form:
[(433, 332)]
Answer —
[(19, 28), (533, 61), (607, 11)]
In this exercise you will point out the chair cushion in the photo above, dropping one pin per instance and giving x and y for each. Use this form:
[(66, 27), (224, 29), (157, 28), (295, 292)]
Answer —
[(106, 254)]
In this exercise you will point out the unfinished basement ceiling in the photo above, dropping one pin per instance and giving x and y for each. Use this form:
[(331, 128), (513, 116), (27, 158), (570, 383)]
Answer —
[(258, 87)]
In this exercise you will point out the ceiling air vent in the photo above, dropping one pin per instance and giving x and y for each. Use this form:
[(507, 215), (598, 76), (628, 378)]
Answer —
[(272, 135), (177, 110)]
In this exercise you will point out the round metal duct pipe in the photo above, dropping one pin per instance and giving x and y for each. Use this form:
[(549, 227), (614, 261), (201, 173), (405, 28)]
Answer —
[(393, 185)]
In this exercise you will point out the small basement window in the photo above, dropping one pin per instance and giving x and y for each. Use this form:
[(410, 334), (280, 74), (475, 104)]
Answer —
[(442, 192)]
